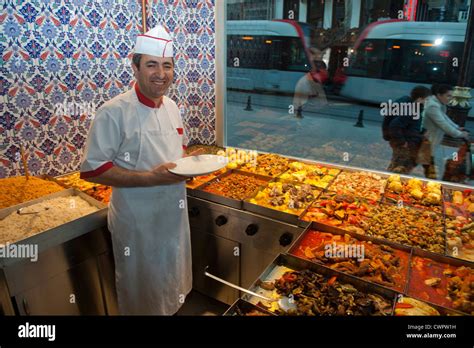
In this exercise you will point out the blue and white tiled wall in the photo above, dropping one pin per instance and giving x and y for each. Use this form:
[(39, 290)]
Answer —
[(62, 59)]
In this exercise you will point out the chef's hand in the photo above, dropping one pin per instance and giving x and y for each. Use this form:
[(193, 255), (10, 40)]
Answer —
[(162, 176)]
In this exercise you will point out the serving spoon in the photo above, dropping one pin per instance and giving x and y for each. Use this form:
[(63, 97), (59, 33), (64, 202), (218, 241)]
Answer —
[(284, 302), (19, 211)]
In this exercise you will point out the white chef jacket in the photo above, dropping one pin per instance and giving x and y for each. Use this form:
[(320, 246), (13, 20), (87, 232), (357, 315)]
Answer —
[(149, 225)]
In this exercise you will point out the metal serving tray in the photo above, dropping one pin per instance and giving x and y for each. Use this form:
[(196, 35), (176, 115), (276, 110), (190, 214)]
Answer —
[(63, 233), (316, 226), (192, 190), (390, 242), (448, 198), (291, 219), (314, 164), (449, 252), (298, 264), (304, 222), (441, 259), (290, 160), (245, 306), (227, 201), (443, 311), (355, 170), (389, 200)]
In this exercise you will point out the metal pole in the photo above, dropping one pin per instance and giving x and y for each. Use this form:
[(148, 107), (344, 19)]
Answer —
[(144, 16), (466, 57)]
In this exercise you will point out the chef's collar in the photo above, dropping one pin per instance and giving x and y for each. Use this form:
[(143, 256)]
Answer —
[(147, 101)]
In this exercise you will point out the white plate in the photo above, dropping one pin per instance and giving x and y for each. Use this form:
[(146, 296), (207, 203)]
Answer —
[(198, 165)]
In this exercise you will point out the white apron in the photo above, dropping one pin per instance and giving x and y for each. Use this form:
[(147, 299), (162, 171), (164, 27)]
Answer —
[(150, 229)]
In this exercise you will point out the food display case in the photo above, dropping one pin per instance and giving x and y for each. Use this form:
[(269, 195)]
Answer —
[(69, 255), (396, 218), (244, 217)]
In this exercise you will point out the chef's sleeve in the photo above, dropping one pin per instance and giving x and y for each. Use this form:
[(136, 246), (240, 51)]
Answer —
[(102, 145)]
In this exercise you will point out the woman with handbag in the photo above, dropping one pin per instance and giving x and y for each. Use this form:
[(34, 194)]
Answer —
[(437, 124)]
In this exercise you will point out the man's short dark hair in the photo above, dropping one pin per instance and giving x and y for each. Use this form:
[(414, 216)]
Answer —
[(440, 89), (420, 92), (137, 57)]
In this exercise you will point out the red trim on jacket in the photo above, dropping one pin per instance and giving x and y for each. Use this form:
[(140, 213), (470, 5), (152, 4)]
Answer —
[(145, 100), (180, 131), (96, 172)]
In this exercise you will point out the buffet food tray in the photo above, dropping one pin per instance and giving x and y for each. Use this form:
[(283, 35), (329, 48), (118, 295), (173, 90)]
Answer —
[(388, 197), (298, 264), (227, 201), (319, 227), (241, 307), (387, 240), (344, 169), (448, 260), (450, 208), (275, 214), (63, 233), (313, 163)]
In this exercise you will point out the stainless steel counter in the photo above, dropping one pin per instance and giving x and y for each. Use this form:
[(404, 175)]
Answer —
[(73, 273), (236, 245)]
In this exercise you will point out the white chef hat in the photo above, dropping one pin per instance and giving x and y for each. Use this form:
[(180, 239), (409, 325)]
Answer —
[(155, 42)]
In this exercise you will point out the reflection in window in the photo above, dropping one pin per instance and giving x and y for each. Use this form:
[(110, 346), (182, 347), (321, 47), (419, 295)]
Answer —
[(278, 102), (413, 61), (266, 52), (316, 13), (442, 10), (377, 10)]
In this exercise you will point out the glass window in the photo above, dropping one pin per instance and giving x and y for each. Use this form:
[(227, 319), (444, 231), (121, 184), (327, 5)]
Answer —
[(422, 62), (315, 90), (316, 13), (369, 59), (442, 10), (377, 10)]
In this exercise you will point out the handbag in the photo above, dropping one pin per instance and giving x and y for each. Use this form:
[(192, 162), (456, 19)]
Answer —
[(424, 155)]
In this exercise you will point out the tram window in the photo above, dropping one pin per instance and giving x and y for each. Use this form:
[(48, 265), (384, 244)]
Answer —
[(251, 51), (369, 59), (293, 56), (418, 61), (267, 52)]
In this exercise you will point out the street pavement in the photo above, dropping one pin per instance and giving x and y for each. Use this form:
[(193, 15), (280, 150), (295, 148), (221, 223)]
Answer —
[(324, 133)]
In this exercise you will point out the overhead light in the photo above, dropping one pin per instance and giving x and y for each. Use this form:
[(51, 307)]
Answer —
[(268, 41), (247, 38), (438, 41), (396, 47)]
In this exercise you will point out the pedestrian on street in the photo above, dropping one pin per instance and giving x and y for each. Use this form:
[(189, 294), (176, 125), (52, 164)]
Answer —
[(437, 124), (309, 88), (404, 132)]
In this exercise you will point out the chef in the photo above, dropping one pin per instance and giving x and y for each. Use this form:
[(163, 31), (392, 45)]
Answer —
[(133, 141)]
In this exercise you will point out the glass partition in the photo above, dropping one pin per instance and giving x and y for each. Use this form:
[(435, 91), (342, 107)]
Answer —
[(339, 81)]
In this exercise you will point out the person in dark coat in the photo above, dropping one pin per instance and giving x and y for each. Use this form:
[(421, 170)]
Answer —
[(405, 132)]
